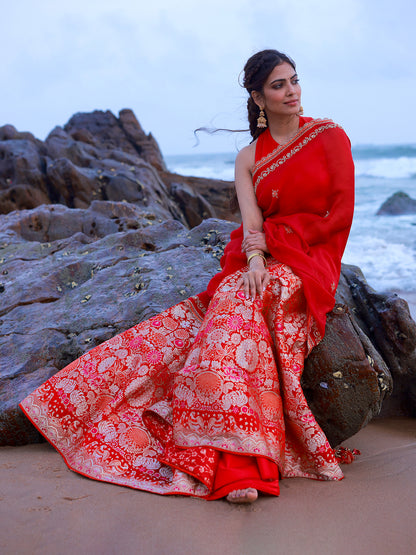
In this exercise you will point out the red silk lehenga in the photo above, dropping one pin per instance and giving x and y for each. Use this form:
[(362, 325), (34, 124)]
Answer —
[(205, 397)]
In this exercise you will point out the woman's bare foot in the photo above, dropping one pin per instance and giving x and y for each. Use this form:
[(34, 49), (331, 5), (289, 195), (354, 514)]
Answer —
[(248, 495)]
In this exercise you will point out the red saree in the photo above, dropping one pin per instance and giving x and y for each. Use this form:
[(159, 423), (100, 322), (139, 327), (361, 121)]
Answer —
[(202, 400)]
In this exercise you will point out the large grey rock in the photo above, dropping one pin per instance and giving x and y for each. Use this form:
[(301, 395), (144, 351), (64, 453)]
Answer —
[(399, 203), (97, 156)]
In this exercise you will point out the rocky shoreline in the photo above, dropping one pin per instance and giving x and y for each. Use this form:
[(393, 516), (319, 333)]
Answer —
[(96, 235)]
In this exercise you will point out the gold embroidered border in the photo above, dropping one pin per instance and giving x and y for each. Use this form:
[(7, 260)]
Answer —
[(294, 150), (301, 131)]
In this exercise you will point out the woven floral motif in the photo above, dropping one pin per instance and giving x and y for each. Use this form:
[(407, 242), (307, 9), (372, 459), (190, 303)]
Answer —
[(152, 407)]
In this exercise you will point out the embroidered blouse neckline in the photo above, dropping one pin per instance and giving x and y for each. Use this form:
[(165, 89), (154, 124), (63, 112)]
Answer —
[(302, 121)]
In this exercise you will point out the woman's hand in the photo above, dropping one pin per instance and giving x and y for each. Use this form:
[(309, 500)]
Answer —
[(254, 241), (255, 281)]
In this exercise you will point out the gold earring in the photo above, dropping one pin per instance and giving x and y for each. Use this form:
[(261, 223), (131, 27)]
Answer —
[(261, 120), (300, 111)]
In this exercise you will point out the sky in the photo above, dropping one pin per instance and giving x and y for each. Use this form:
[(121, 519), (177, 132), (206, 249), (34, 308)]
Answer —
[(176, 64)]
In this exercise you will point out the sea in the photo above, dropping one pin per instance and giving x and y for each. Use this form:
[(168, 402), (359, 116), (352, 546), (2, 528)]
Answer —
[(384, 247)]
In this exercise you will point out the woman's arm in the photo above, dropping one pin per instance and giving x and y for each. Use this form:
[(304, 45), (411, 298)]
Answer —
[(250, 211), (256, 279)]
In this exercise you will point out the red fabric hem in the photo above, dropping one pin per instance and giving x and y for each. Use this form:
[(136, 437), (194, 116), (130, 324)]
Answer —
[(271, 488)]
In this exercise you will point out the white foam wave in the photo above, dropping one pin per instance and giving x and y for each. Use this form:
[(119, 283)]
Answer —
[(221, 167), (219, 171), (399, 168), (386, 266)]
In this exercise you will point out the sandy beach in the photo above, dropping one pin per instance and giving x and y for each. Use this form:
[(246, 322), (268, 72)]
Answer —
[(48, 509)]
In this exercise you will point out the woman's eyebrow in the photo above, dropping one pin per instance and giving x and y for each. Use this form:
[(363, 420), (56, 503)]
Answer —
[(277, 80)]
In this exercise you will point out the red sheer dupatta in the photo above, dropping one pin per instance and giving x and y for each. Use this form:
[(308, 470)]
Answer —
[(305, 189)]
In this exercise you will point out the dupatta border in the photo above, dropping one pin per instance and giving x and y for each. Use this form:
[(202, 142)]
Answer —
[(197, 307), (323, 125)]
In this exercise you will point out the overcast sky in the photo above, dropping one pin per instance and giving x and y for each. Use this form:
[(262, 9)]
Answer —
[(176, 64)]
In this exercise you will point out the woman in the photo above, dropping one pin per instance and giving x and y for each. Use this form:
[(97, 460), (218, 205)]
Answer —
[(204, 399)]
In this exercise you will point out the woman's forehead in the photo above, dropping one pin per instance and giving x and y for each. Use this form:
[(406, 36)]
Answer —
[(281, 71)]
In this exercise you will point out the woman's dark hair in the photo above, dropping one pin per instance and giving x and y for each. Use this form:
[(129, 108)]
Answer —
[(256, 72)]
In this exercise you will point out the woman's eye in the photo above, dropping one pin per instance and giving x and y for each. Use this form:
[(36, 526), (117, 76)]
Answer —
[(295, 82)]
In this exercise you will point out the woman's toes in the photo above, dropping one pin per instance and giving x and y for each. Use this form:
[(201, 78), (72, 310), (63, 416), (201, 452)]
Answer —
[(248, 495)]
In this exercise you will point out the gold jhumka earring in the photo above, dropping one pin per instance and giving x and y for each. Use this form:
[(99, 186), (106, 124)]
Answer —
[(300, 113), (261, 120)]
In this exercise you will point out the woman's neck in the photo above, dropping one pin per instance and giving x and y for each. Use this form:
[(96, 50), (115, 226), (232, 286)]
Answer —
[(282, 129)]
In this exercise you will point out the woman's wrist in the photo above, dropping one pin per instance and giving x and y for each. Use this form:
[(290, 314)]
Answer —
[(255, 255)]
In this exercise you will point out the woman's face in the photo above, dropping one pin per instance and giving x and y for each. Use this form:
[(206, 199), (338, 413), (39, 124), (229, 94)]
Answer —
[(281, 92)]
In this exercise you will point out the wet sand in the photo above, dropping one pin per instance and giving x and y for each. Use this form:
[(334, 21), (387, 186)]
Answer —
[(46, 508)]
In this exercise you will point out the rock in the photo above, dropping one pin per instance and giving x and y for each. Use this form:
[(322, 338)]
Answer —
[(397, 204), (97, 156), (22, 182), (146, 145), (193, 205), (345, 380), (220, 195), (386, 320)]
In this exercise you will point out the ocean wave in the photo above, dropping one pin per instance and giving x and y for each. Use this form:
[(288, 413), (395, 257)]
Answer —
[(389, 168), (386, 162), (223, 172), (386, 266), (363, 152)]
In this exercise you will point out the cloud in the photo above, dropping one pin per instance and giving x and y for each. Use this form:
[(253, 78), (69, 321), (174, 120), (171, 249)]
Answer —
[(177, 65)]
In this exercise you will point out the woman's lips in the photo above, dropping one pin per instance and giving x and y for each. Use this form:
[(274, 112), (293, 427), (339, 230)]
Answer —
[(291, 102)]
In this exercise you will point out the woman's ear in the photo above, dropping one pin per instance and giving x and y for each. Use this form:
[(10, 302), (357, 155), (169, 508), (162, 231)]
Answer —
[(258, 99)]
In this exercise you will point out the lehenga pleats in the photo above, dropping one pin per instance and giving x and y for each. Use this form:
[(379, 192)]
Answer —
[(194, 402)]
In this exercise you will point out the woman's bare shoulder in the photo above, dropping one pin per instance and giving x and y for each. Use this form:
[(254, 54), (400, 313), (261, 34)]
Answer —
[(246, 157)]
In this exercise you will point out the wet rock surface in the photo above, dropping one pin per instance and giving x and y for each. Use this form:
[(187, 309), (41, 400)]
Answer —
[(345, 380), (386, 320)]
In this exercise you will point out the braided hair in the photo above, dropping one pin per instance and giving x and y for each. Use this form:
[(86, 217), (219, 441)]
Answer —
[(256, 72)]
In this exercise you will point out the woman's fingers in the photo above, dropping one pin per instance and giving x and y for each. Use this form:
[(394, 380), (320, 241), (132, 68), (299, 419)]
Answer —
[(254, 286), (247, 284), (244, 284), (252, 245), (255, 240), (266, 282), (253, 283)]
